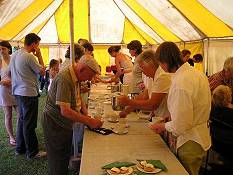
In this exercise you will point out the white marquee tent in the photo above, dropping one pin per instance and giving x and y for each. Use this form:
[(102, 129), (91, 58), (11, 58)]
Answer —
[(203, 26)]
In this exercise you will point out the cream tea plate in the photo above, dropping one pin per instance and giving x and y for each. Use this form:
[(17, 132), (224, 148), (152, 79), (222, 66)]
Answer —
[(147, 172), (128, 173)]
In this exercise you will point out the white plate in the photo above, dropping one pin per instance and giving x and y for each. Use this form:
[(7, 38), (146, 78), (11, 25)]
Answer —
[(113, 121), (130, 172), (147, 172), (122, 132)]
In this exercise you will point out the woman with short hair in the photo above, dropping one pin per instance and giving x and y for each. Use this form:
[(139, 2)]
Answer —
[(189, 103), (135, 49)]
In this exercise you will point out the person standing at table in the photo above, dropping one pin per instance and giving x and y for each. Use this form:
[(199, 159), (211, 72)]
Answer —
[(123, 63), (24, 69), (154, 97), (7, 100), (189, 103), (135, 48), (63, 107)]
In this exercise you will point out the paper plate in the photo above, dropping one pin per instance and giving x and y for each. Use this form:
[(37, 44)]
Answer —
[(120, 133), (147, 172), (130, 172)]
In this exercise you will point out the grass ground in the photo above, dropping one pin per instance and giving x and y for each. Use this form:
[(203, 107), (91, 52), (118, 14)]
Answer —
[(19, 165)]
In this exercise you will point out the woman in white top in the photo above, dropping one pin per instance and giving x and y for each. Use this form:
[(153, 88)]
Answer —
[(189, 103), (154, 97), (7, 100), (123, 63)]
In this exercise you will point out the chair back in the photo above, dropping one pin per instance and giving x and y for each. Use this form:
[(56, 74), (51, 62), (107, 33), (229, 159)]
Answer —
[(222, 137)]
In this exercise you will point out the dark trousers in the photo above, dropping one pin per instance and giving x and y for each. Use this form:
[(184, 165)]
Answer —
[(58, 145), (26, 140)]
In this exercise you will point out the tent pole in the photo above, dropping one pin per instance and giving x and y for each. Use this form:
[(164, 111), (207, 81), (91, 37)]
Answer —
[(207, 58), (71, 15), (89, 22)]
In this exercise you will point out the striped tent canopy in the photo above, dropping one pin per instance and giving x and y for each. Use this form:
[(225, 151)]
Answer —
[(105, 22)]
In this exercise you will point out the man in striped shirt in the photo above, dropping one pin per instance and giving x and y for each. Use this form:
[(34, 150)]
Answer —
[(224, 77)]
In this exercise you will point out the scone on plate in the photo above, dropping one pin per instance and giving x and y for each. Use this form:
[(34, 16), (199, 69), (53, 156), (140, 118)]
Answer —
[(149, 167), (115, 170), (142, 164), (124, 170)]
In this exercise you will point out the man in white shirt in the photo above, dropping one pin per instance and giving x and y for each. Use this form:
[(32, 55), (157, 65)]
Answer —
[(154, 96), (189, 103)]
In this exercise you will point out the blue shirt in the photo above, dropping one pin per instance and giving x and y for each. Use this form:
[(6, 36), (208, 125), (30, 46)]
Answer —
[(24, 69)]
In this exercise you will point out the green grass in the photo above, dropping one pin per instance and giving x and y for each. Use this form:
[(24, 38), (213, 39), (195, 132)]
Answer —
[(19, 165)]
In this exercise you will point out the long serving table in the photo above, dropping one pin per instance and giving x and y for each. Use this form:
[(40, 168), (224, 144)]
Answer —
[(139, 143)]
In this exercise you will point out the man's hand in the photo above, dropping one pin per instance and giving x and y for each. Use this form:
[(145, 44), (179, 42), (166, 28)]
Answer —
[(94, 123), (5, 83), (123, 100), (158, 127), (37, 52)]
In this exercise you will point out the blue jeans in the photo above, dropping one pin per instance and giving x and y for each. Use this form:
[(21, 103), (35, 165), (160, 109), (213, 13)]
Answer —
[(26, 139)]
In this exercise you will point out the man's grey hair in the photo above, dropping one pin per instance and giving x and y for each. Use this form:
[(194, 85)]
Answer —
[(228, 64), (148, 55)]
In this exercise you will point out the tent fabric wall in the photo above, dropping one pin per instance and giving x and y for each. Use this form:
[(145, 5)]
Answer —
[(9, 30), (155, 25), (45, 54), (102, 57), (208, 24), (107, 22), (165, 12), (43, 16), (173, 20), (221, 9), (218, 51), (11, 8), (56, 52), (130, 33), (81, 23), (195, 48)]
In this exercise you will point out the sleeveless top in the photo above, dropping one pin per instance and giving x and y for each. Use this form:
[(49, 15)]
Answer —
[(127, 64), (6, 97)]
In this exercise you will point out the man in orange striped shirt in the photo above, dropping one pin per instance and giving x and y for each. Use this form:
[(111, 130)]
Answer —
[(224, 77)]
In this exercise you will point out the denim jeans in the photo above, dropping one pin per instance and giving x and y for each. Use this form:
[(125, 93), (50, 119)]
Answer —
[(26, 139)]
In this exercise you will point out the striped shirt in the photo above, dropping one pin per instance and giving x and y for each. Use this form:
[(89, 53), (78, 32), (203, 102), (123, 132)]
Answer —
[(218, 79)]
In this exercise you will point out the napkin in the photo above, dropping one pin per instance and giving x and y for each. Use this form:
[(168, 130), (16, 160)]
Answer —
[(156, 163), (118, 165)]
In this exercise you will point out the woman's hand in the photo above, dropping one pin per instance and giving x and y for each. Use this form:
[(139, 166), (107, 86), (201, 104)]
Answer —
[(158, 127)]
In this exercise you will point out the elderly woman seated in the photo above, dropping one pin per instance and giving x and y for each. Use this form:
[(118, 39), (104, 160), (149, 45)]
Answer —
[(222, 121)]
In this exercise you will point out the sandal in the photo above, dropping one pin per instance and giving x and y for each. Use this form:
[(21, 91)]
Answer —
[(12, 142)]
